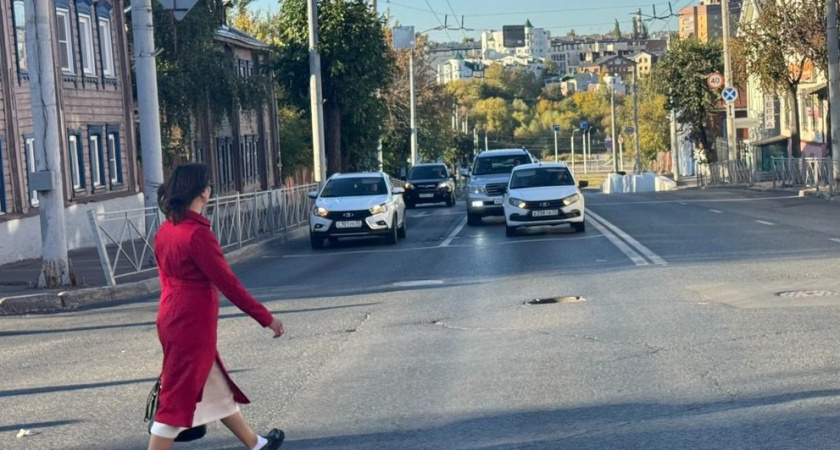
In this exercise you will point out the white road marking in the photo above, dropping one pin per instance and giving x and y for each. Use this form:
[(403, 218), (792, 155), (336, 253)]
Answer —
[(636, 244), (834, 239), (635, 257), (682, 203), (417, 283), (765, 222), (716, 211), (721, 200), (454, 233)]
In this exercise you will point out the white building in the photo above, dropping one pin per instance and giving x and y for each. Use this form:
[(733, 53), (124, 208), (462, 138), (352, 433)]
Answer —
[(536, 44), (459, 68)]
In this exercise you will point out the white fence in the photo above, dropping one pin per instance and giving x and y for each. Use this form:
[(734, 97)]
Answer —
[(125, 239)]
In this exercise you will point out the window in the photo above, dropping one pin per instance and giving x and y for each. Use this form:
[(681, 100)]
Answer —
[(65, 46), (114, 156), (86, 42), (106, 47), (74, 150), (20, 34), (224, 162), (29, 150), (97, 169)]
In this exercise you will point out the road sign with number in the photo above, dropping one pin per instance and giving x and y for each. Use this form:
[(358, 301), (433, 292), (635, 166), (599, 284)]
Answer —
[(729, 94), (715, 80)]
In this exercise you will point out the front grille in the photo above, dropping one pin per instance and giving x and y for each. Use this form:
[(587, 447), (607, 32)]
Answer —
[(426, 187), (495, 189), (348, 215), (544, 204)]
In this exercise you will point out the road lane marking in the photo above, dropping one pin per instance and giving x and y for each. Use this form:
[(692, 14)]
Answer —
[(454, 233), (721, 200), (417, 283), (763, 222), (834, 239), (635, 257), (656, 259), (716, 211), (682, 203)]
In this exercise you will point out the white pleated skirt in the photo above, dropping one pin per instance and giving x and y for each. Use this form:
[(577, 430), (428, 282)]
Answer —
[(216, 403)]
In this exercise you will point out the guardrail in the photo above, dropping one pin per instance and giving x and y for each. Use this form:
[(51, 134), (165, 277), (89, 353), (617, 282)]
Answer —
[(725, 173), (807, 172), (125, 239)]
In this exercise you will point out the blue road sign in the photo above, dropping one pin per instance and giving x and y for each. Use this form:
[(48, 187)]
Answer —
[(556, 128), (629, 130), (584, 124), (608, 142), (729, 94)]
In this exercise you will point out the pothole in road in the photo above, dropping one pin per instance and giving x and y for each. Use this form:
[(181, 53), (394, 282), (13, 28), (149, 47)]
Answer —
[(552, 300), (806, 294)]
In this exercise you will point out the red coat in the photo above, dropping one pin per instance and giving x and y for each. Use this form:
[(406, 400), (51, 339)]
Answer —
[(191, 268)]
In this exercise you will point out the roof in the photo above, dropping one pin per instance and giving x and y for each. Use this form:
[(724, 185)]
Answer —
[(233, 36), (768, 141), (502, 152), (816, 89), (357, 175), (528, 23)]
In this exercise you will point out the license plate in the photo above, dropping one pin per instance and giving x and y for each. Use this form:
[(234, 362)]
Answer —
[(497, 201), (544, 212), (349, 224), (427, 195)]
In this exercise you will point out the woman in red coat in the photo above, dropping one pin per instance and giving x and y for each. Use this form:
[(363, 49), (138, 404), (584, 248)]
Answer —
[(195, 387)]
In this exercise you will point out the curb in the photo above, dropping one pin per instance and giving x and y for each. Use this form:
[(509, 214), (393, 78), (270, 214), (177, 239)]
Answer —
[(68, 300)]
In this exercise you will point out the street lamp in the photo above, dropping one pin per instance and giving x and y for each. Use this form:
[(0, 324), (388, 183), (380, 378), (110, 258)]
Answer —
[(572, 139), (612, 120)]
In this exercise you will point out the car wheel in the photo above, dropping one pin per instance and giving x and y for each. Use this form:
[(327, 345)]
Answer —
[(317, 242), (510, 231), (473, 219), (391, 238), (579, 227), (401, 229)]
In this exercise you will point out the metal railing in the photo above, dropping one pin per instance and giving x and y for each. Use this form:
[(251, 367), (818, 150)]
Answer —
[(807, 172), (125, 239), (725, 173)]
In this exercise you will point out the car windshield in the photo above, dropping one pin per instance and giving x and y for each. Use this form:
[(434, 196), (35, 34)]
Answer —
[(497, 164), (541, 177), (422, 172), (353, 187)]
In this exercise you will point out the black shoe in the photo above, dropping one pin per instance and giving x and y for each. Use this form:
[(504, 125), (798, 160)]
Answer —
[(275, 439)]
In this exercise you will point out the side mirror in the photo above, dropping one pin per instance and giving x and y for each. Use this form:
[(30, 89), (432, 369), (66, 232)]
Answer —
[(312, 194), (583, 183), (398, 190), (465, 172)]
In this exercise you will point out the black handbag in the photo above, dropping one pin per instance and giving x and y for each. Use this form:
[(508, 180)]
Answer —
[(190, 434)]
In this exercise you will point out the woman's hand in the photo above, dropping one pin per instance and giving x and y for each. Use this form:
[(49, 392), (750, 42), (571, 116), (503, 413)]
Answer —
[(277, 327)]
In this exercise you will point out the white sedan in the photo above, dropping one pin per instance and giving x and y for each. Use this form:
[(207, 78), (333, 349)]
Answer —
[(543, 194)]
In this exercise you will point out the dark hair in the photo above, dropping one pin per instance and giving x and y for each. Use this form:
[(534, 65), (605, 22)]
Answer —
[(186, 183)]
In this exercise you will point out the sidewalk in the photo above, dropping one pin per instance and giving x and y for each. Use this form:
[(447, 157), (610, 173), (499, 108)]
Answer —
[(18, 281)]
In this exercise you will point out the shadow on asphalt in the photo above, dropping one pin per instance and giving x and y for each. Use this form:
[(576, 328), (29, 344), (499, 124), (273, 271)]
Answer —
[(37, 425)]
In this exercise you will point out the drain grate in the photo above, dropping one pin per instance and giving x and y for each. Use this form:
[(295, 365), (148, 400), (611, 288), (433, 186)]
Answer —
[(551, 300), (807, 294)]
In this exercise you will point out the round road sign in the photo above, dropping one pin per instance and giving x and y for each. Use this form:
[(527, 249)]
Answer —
[(715, 80)]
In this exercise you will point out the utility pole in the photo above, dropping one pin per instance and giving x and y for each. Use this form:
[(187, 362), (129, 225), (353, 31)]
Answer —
[(637, 165), (572, 139), (379, 156), (316, 99), (486, 142), (47, 179), (555, 145), (727, 75), (833, 87), (143, 32), (612, 121), (413, 106)]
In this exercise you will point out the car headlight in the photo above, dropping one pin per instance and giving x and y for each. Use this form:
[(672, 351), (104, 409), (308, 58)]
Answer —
[(477, 189), (517, 202), (319, 211), (571, 199), (379, 209), (408, 185), (443, 185)]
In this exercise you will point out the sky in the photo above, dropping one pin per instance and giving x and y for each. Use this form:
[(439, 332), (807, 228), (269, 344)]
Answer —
[(556, 16)]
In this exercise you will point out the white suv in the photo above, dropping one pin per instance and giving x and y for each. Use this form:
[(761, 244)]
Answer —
[(543, 194), (488, 178), (357, 204)]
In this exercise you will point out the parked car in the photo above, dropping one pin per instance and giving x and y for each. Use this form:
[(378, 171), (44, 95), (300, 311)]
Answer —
[(488, 179), (543, 194), (429, 183), (357, 204)]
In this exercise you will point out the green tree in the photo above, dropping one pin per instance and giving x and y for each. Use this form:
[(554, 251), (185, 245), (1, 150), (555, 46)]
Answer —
[(616, 32), (680, 75), (356, 61), (197, 78), (780, 46)]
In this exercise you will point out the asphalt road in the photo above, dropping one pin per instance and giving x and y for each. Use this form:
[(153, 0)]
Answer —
[(706, 319)]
